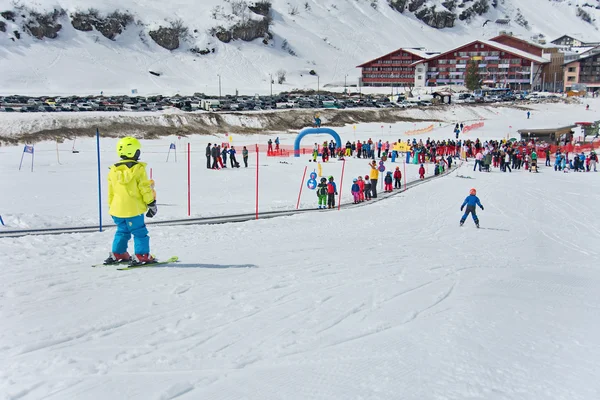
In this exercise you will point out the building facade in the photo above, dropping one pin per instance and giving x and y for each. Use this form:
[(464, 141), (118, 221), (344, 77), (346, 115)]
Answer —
[(499, 65), (583, 74), (394, 69)]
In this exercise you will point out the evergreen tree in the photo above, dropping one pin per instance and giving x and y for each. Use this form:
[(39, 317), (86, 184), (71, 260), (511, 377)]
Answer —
[(472, 78)]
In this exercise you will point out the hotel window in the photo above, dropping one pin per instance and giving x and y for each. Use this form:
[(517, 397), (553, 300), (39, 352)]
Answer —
[(571, 79), (571, 69), (462, 54)]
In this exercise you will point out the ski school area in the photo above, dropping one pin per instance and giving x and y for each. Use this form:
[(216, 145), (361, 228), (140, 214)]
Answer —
[(388, 298)]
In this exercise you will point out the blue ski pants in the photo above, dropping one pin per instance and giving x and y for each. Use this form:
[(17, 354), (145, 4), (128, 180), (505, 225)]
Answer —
[(131, 226), (470, 210)]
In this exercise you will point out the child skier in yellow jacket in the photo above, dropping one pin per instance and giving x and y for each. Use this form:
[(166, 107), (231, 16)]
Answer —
[(130, 196)]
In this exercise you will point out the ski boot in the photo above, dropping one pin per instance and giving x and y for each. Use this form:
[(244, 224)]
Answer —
[(461, 223), (117, 258), (477, 223), (142, 259)]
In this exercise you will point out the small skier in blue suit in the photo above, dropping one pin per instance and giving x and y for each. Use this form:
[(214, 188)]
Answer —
[(471, 201)]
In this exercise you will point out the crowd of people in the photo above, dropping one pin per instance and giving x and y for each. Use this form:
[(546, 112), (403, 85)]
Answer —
[(514, 155)]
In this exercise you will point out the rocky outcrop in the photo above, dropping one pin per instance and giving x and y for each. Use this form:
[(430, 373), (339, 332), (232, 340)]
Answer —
[(44, 25), (109, 26), (261, 8), (449, 4), (479, 8), (247, 31), (398, 5), (436, 19), (2, 26), (166, 37), (414, 5), (8, 15)]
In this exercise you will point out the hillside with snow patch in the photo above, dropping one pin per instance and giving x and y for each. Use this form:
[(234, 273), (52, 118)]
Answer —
[(84, 47)]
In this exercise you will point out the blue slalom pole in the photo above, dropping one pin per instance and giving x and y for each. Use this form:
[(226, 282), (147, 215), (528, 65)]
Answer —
[(1, 221), (99, 180)]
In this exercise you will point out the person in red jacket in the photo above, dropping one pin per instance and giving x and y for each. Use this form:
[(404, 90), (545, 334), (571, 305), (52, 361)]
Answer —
[(397, 178), (361, 185), (422, 172)]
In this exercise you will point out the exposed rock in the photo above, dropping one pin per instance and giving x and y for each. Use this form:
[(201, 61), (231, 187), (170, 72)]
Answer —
[(2, 26), (166, 37), (109, 26), (17, 34), (480, 7), (450, 4), (44, 25), (398, 5), (261, 8), (247, 31), (436, 19), (8, 15), (414, 5)]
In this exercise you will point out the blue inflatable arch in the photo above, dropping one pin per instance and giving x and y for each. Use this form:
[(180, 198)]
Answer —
[(315, 131)]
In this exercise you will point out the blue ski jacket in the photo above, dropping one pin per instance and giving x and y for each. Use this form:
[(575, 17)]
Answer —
[(472, 200)]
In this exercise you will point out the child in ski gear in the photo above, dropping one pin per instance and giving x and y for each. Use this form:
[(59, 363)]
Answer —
[(355, 190), (322, 193), (471, 201), (367, 187), (361, 193), (130, 195), (331, 193), (422, 172), (387, 180), (397, 178)]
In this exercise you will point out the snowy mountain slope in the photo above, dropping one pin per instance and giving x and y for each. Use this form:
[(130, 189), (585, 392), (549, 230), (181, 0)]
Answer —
[(369, 303), (330, 38)]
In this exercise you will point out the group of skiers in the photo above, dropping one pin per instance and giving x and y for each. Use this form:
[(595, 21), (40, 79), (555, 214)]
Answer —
[(219, 155), (362, 188)]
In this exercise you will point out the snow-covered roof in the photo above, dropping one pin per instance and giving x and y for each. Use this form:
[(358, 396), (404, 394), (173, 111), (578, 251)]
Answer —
[(515, 51), (416, 51)]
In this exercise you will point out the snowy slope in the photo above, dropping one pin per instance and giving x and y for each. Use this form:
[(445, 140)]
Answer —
[(66, 193), (389, 301), (331, 38)]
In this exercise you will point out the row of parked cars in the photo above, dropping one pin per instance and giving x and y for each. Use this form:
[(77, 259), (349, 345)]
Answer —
[(230, 102)]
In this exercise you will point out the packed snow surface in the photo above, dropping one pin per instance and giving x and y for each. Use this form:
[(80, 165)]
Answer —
[(391, 300)]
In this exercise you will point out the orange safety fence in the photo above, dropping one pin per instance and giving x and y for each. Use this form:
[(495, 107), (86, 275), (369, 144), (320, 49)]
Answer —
[(419, 131), (471, 127)]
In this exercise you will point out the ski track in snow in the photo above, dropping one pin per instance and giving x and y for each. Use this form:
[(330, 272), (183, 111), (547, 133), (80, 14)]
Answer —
[(367, 303), (424, 308)]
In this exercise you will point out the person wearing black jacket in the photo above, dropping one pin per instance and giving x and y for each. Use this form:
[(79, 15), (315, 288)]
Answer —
[(214, 152), (208, 156)]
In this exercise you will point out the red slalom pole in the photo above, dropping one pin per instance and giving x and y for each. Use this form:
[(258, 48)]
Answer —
[(150, 173), (256, 181), (341, 185), (301, 186), (189, 181)]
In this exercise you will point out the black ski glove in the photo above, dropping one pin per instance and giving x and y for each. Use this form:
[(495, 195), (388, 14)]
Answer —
[(461, 208), (481, 207), (152, 209)]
